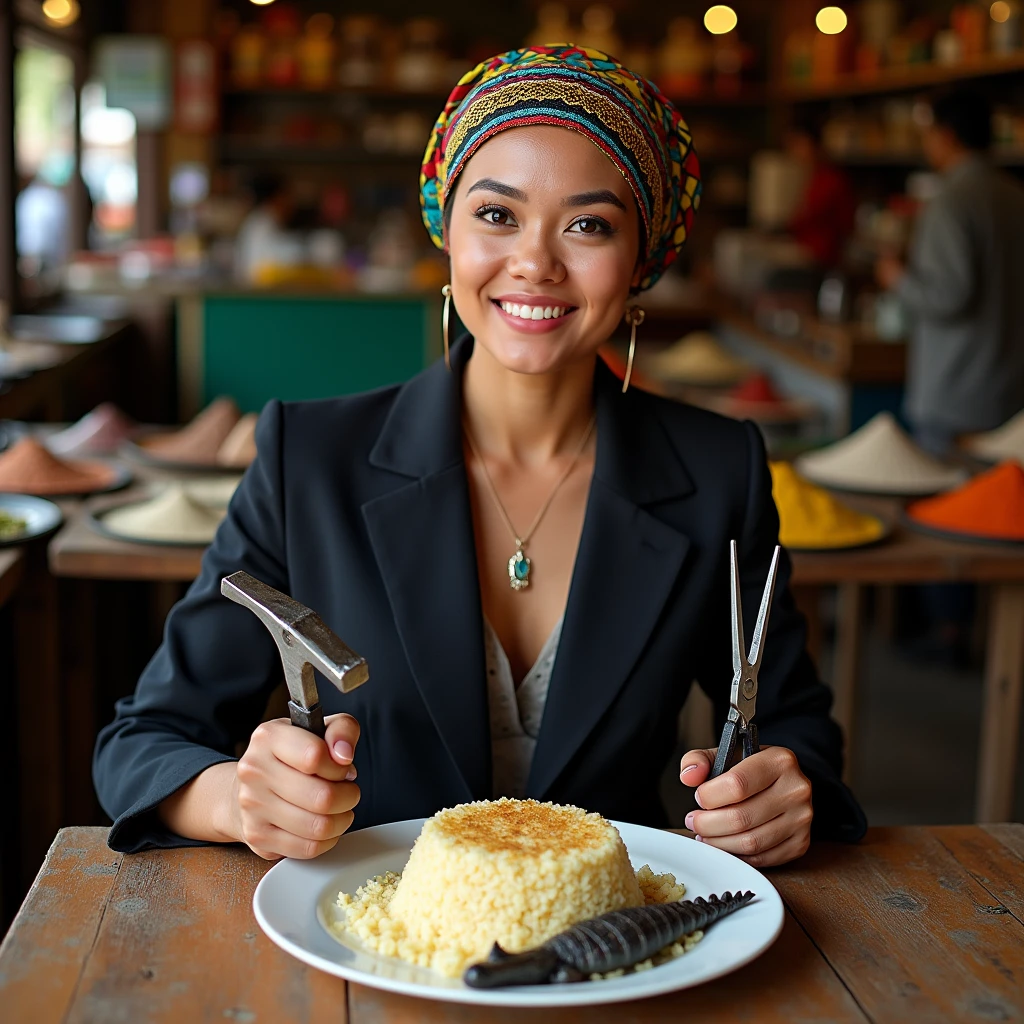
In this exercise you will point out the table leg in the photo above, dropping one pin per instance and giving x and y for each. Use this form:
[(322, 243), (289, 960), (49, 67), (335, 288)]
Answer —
[(40, 746), (1000, 714), (846, 667), (807, 598)]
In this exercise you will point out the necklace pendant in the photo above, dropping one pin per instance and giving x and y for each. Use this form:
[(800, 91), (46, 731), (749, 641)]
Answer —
[(519, 571)]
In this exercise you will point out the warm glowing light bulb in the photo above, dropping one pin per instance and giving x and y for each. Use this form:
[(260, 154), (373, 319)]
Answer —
[(831, 20), (1000, 11), (720, 19), (262, 3), (61, 12)]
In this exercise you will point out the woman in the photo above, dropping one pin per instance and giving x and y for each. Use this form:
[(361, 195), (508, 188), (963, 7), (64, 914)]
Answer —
[(513, 520)]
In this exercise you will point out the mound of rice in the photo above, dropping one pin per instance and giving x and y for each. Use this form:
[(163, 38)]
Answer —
[(515, 872)]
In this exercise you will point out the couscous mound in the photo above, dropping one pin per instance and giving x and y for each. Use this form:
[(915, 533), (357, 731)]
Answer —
[(515, 872)]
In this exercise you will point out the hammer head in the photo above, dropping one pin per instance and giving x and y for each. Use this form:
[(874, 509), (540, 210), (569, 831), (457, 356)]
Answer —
[(302, 638)]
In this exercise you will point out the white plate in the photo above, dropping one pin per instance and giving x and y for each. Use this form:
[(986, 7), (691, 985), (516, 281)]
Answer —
[(296, 901)]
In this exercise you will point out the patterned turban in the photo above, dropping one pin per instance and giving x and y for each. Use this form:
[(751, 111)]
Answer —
[(623, 114)]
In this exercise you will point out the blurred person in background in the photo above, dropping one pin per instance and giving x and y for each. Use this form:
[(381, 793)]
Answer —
[(264, 236), (963, 283), (42, 219), (823, 221)]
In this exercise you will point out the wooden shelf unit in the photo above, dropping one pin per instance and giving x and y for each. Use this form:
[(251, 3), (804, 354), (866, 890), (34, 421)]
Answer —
[(902, 79)]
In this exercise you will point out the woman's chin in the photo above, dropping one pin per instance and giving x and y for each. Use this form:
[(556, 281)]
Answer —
[(531, 355)]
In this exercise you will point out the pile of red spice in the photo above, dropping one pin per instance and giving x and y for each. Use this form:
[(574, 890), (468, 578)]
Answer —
[(758, 389), (29, 468), (991, 505)]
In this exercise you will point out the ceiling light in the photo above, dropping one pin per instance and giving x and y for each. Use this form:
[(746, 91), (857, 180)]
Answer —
[(1000, 11), (61, 12), (262, 3), (720, 19), (831, 20)]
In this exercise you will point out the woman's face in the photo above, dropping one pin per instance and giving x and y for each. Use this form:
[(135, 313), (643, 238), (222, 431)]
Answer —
[(544, 240)]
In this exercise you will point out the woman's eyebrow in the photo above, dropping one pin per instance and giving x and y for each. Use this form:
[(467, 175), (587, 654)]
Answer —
[(602, 195), (491, 185)]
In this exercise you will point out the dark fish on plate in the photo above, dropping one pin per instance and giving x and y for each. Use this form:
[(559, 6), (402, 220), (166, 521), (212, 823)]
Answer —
[(618, 939)]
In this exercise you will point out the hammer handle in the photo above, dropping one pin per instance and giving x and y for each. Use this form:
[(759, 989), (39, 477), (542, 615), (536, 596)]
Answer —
[(310, 719)]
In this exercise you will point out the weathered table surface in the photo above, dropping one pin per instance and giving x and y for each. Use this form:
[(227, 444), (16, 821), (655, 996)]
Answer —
[(922, 924)]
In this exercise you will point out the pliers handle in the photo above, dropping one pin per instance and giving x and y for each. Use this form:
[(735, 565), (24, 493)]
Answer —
[(738, 741)]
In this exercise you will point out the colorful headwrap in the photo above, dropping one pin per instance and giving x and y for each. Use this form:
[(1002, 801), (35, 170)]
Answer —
[(623, 114)]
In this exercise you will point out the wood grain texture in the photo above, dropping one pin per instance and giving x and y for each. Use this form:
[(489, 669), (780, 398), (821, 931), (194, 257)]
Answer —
[(992, 863), (179, 943), (789, 983), (43, 954), (909, 930)]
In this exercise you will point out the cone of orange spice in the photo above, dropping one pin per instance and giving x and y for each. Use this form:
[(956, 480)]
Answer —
[(990, 506)]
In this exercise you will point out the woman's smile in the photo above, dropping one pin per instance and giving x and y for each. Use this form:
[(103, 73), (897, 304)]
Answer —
[(533, 314)]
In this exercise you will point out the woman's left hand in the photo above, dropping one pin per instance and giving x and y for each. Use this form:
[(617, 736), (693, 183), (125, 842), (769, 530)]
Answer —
[(759, 810)]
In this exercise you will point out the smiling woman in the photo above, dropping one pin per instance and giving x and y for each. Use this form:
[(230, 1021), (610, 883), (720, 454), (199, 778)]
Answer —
[(532, 559)]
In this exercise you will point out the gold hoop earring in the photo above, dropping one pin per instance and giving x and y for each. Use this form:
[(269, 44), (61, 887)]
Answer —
[(634, 317), (446, 291)]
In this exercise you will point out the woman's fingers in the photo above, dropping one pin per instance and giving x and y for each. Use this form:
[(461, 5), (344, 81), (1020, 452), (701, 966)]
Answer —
[(752, 841), (342, 737), (752, 775), (304, 824), (696, 765), (312, 793), (273, 843), (298, 749), (736, 819)]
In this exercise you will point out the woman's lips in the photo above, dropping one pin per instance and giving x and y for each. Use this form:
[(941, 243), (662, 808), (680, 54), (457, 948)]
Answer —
[(531, 326)]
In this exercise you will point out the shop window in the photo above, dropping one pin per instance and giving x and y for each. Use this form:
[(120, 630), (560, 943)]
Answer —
[(44, 146), (109, 168)]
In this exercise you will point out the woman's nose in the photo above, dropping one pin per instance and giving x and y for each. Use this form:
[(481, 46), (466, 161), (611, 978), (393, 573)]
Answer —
[(534, 259)]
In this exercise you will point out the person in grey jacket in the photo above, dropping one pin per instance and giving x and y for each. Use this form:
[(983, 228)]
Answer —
[(963, 283)]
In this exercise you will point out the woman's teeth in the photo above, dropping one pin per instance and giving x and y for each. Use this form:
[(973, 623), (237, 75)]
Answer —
[(533, 312)]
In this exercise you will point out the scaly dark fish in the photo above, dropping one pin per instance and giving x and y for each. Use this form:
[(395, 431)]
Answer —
[(617, 939)]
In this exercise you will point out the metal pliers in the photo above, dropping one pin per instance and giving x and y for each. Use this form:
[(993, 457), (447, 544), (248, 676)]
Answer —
[(739, 736)]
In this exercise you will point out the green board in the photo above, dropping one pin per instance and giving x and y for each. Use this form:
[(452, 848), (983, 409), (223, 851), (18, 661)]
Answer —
[(256, 347)]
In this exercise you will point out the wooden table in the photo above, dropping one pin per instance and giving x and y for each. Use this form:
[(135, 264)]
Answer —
[(909, 557), (81, 552), (923, 924)]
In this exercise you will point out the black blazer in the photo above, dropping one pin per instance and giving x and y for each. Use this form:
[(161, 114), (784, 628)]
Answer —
[(359, 508)]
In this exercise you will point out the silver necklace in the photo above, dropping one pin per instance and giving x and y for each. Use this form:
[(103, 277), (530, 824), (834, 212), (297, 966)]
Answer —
[(519, 564)]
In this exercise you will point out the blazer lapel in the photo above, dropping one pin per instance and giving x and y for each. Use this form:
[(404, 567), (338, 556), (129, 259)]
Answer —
[(626, 566), (422, 537)]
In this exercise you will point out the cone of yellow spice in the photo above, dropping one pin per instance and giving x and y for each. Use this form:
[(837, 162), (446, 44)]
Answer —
[(811, 519)]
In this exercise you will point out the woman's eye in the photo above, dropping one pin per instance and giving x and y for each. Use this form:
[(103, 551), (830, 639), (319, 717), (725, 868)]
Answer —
[(495, 215), (591, 226)]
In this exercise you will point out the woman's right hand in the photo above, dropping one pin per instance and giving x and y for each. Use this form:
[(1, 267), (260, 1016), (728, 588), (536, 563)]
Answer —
[(293, 793)]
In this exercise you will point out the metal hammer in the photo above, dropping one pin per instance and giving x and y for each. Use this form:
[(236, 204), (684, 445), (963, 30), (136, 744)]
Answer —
[(305, 643)]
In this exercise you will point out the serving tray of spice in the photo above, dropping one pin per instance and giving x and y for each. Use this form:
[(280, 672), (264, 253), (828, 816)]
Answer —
[(23, 517)]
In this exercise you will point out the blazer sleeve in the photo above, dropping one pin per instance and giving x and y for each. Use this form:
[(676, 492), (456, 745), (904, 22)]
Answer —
[(792, 703), (208, 683)]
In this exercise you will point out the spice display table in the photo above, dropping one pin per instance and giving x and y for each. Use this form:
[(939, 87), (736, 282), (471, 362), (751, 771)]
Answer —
[(912, 924), (81, 552), (909, 558)]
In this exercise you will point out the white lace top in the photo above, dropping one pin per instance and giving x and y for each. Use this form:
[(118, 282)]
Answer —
[(515, 714)]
